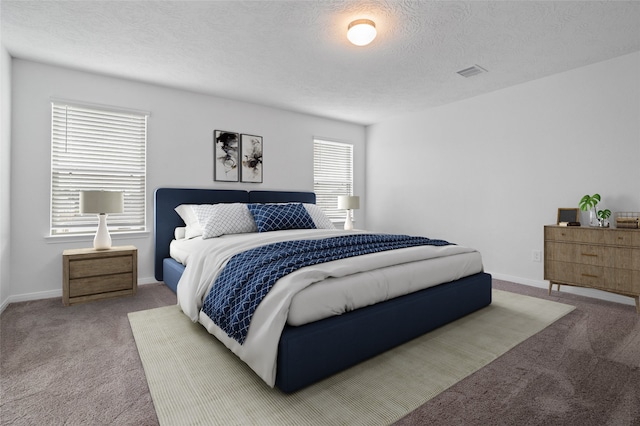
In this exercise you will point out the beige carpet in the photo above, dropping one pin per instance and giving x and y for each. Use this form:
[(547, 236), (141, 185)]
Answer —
[(195, 380)]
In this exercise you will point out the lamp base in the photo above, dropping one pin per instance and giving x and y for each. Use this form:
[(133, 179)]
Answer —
[(102, 240), (348, 225)]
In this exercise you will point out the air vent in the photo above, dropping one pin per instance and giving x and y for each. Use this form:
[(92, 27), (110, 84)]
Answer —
[(471, 71)]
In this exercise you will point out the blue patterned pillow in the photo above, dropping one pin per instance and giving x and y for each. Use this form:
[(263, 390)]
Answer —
[(274, 217)]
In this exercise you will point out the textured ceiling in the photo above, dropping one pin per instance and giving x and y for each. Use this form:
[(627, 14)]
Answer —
[(294, 54)]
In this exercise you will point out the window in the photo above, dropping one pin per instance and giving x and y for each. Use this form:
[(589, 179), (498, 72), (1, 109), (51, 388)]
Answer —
[(94, 148), (332, 175)]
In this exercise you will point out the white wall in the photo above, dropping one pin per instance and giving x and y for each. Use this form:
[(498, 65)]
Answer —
[(491, 171), (179, 154), (5, 174)]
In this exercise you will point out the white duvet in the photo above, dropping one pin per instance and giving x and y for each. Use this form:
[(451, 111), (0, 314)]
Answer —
[(338, 286)]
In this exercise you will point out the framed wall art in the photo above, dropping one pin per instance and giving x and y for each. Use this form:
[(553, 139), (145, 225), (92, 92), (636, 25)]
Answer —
[(251, 158), (225, 156)]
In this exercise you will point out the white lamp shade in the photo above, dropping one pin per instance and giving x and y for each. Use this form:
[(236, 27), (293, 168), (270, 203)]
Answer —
[(348, 202), (101, 202), (361, 32)]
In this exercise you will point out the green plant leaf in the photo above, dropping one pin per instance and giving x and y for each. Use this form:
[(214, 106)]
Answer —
[(589, 201)]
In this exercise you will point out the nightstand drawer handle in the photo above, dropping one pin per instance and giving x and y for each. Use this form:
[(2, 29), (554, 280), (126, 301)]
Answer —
[(590, 276), (590, 254)]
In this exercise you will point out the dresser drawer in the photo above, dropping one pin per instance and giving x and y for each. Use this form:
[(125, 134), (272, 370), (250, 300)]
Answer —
[(574, 234), (585, 275), (622, 280), (623, 258), (97, 267), (572, 272), (590, 276), (576, 253), (621, 238)]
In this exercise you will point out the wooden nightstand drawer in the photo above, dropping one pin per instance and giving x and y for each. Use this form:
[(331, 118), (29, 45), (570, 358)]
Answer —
[(89, 274), (97, 267), (96, 285)]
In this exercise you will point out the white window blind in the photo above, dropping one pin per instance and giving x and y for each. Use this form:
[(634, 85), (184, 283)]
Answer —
[(93, 148), (332, 175)]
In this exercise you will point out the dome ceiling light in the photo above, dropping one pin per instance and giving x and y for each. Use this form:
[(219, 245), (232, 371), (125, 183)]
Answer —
[(361, 32)]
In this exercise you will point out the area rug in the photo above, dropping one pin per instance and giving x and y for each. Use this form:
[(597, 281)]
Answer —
[(194, 379)]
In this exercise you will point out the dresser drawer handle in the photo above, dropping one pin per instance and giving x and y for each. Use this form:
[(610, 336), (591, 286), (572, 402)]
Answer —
[(589, 254), (590, 276)]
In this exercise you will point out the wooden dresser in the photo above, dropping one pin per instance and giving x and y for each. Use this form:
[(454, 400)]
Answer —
[(601, 258), (89, 274)]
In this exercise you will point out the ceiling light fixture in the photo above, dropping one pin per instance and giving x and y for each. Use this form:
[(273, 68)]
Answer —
[(361, 32)]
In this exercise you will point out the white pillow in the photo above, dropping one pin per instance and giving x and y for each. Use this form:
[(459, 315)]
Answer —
[(188, 215), (180, 232), (222, 219), (196, 217), (319, 218)]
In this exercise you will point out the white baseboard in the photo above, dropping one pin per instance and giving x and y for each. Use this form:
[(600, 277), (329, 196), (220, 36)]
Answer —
[(49, 294), (588, 292), (25, 297)]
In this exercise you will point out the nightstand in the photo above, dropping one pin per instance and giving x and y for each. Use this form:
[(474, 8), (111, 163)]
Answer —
[(89, 274)]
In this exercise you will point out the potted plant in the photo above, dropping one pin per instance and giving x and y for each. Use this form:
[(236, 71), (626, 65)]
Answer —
[(603, 215), (589, 203)]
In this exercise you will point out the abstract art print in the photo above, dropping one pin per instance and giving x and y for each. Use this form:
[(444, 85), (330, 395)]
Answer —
[(251, 158), (225, 156)]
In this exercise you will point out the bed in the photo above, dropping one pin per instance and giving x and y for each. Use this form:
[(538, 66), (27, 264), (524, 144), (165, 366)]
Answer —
[(310, 352)]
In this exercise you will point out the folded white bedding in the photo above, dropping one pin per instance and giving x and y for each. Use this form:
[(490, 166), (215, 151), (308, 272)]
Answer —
[(337, 295), (338, 286)]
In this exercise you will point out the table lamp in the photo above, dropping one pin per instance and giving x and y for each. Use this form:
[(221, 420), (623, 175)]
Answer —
[(348, 203), (101, 203)]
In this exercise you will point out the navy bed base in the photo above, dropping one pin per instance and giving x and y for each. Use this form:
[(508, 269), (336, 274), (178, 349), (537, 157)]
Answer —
[(312, 352)]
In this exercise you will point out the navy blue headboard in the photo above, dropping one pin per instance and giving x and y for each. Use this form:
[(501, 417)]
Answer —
[(165, 218)]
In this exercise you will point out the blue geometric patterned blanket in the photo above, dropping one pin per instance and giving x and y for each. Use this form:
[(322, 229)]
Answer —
[(248, 276)]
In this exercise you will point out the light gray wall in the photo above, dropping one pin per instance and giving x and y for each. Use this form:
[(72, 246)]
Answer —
[(5, 175), (487, 172), (179, 154), (491, 171)]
